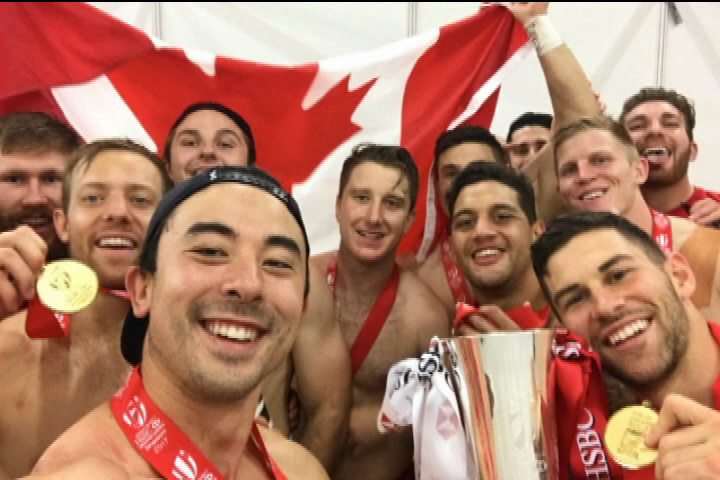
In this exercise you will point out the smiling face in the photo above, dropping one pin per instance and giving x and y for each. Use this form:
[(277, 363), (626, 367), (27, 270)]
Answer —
[(206, 139), (373, 211), (490, 236), (596, 173), (453, 160), (226, 299), (110, 206), (30, 189), (630, 309), (659, 132)]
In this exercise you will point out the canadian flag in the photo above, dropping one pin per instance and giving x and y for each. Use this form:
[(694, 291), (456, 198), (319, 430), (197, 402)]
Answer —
[(108, 79)]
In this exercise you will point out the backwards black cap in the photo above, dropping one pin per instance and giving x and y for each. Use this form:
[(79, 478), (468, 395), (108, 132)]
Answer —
[(134, 329), (218, 107)]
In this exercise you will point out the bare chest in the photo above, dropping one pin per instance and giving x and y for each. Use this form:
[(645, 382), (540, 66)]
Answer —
[(395, 342)]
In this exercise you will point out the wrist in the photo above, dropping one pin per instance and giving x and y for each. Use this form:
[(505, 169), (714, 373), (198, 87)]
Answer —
[(543, 34)]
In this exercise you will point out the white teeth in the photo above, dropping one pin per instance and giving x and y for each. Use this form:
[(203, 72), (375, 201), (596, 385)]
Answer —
[(115, 242), (592, 195), (371, 234), (656, 151), (487, 252), (629, 331), (232, 332)]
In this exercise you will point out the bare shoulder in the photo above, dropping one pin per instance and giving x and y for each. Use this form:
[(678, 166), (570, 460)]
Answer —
[(422, 308), (418, 294), (682, 229), (293, 459), (322, 261), (431, 266), (95, 444), (90, 467)]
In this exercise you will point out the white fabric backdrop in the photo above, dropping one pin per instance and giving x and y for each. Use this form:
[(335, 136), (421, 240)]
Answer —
[(618, 44)]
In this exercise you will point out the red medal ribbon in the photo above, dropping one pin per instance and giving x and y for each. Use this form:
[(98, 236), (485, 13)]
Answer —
[(42, 322), (455, 276), (662, 231), (376, 318), (524, 317), (160, 442)]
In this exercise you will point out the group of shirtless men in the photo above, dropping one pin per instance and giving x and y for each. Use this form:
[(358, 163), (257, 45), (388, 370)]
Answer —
[(575, 222)]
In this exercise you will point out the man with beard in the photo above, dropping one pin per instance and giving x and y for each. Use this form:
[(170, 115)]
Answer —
[(109, 193), (386, 312), (660, 123), (527, 135), (33, 152), (34, 148), (493, 223), (207, 135), (599, 169), (217, 300), (609, 282)]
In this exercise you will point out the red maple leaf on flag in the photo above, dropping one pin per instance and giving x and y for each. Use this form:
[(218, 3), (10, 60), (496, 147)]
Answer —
[(157, 102)]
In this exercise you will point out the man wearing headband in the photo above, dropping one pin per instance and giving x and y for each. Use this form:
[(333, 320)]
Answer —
[(386, 312), (53, 372), (209, 134), (632, 302), (217, 300)]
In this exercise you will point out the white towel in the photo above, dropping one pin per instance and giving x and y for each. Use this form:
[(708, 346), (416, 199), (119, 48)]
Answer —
[(419, 393)]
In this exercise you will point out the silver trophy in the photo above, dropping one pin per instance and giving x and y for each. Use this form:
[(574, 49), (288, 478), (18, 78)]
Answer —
[(501, 380)]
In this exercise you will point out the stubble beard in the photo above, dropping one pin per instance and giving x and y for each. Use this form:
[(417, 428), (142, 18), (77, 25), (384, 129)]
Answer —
[(674, 348), (677, 172)]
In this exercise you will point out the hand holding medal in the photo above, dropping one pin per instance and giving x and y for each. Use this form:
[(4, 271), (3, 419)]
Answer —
[(67, 286), (64, 287), (625, 436)]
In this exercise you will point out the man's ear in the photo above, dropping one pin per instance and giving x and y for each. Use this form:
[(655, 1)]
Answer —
[(681, 274), (640, 169), (138, 284), (409, 221), (538, 228), (61, 225), (693, 151)]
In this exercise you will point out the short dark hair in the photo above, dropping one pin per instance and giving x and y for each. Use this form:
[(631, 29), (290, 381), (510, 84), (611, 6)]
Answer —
[(468, 134), (478, 172), (658, 94), (529, 119), (84, 156), (217, 107), (36, 132), (564, 228), (391, 156)]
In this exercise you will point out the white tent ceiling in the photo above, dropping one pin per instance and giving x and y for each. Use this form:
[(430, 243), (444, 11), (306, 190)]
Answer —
[(622, 46)]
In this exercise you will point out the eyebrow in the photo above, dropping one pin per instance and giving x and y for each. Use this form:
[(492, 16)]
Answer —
[(607, 265), (284, 242), (211, 227), (196, 132)]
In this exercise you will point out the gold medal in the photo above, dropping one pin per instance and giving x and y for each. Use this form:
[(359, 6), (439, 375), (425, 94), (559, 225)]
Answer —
[(67, 286), (625, 436)]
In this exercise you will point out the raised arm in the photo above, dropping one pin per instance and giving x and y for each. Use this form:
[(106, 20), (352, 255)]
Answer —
[(570, 92), (322, 368)]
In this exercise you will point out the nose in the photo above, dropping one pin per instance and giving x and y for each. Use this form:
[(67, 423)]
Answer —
[(374, 212), (606, 303), (207, 151), (243, 278), (585, 172), (35, 195), (484, 228), (116, 207)]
